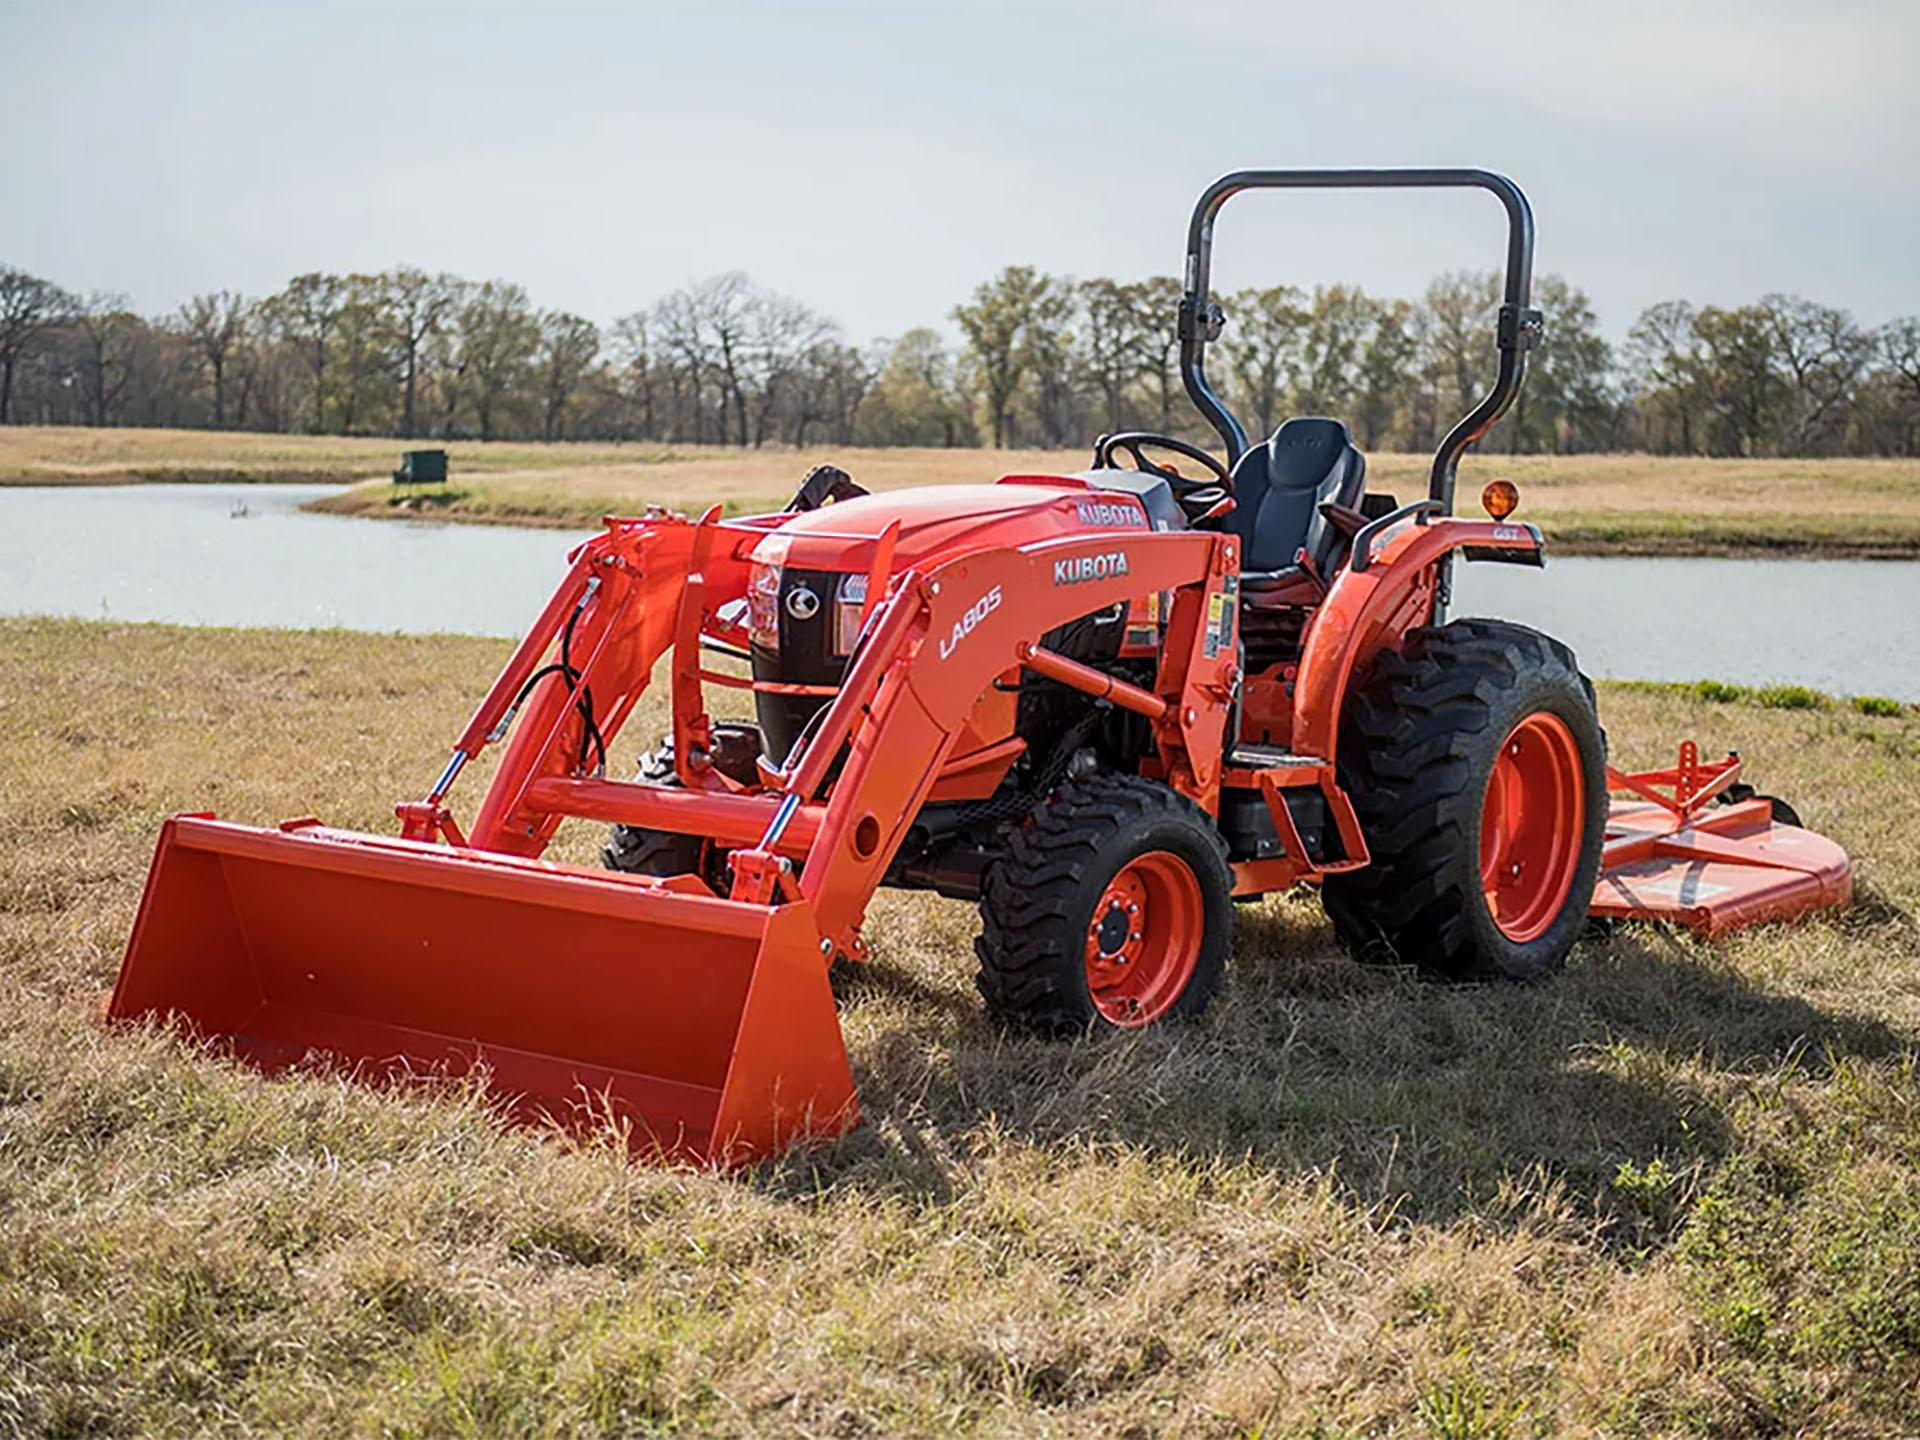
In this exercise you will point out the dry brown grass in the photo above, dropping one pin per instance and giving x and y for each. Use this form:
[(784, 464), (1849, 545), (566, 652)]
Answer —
[(1674, 1191), (73, 455), (741, 481), (1592, 504), (1587, 504)]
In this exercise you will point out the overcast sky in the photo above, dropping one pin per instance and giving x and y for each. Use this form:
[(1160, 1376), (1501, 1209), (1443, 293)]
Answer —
[(878, 160)]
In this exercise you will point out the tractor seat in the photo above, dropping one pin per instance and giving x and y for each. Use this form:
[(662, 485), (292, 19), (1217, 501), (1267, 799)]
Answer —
[(1289, 546)]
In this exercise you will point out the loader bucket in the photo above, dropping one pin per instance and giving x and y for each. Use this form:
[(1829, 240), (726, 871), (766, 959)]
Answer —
[(704, 1027)]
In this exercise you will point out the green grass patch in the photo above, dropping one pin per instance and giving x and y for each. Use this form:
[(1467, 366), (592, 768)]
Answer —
[(1877, 705), (1720, 692), (1766, 697), (1792, 697)]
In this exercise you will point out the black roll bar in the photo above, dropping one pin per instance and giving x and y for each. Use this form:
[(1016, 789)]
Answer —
[(1517, 331)]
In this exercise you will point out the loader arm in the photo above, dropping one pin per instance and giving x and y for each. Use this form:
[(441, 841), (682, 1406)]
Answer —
[(643, 588), (943, 638)]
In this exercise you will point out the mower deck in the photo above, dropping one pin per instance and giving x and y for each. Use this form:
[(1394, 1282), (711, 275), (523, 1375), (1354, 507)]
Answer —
[(1682, 855)]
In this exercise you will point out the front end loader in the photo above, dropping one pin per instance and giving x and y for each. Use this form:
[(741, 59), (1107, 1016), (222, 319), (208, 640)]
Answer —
[(1103, 705)]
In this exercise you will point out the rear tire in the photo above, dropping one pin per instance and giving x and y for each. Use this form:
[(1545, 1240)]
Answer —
[(1112, 909), (1477, 767)]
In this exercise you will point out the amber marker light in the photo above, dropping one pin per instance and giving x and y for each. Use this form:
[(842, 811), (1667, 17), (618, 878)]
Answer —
[(1500, 499)]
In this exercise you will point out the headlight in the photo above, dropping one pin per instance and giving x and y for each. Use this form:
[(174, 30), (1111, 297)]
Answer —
[(763, 605), (848, 603)]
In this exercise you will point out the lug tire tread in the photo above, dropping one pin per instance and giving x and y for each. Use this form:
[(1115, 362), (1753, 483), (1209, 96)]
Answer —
[(636, 850), (1031, 946), (1417, 728)]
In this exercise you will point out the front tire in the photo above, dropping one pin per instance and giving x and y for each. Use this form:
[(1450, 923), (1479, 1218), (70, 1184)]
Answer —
[(1477, 767), (637, 850), (1111, 909)]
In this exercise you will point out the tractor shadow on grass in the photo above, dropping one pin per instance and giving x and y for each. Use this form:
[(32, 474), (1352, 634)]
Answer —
[(1442, 1102)]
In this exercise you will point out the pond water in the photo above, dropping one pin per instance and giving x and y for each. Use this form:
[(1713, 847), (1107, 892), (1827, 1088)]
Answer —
[(247, 555), (1849, 627)]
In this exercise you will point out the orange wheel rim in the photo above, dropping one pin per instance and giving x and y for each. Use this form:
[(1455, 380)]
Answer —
[(1144, 939), (1532, 826)]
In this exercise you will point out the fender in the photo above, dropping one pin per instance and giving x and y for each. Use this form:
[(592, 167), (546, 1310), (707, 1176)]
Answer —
[(1371, 608)]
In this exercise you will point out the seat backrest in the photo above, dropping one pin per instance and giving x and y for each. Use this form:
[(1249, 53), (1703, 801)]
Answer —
[(1278, 489)]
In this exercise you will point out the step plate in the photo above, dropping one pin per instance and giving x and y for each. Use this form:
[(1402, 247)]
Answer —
[(1269, 757)]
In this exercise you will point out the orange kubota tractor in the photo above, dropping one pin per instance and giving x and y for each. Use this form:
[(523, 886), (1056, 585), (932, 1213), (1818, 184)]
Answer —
[(1105, 705)]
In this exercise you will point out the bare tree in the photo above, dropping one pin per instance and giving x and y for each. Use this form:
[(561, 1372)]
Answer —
[(679, 320), (305, 315), (364, 358), (1158, 299), (1823, 355), (724, 306), (783, 335), (415, 307), (996, 322), (1052, 359), (1333, 342), (1458, 341), (1740, 379), (107, 331), (497, 336), (29, 306), (1118, 342), (708, 325), (1663, 369), (1899, 342), (1264, 351), (1110, 348), (1567, 402), (214, 323), (634, 373), (250, 360), (1384, 368), (828, 386), (568, 345)]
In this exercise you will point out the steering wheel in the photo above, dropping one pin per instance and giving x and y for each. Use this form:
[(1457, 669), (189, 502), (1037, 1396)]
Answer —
[(1131, 442)]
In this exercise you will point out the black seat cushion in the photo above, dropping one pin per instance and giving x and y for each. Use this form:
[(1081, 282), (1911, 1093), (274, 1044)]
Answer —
[(1278, 489)]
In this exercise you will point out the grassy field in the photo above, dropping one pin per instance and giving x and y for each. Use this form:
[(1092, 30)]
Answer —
[(1674, 1191), (70, 455), (1587, 504)]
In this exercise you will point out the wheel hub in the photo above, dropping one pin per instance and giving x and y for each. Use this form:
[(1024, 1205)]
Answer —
[(1531, 826), (1143, 940)]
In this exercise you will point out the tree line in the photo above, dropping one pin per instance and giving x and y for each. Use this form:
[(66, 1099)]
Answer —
[(1043, 360)]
